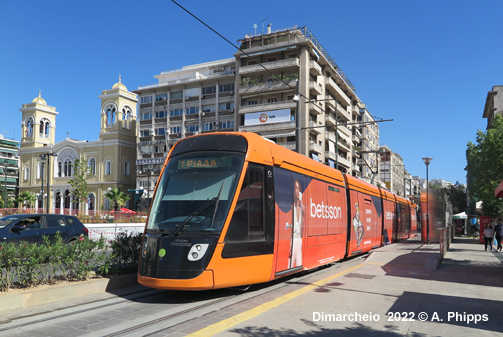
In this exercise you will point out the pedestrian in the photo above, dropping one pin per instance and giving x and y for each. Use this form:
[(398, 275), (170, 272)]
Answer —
[(498, 232), (489, 236)]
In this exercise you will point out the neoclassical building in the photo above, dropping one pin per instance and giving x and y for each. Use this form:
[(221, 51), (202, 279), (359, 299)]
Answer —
[(48, 166)]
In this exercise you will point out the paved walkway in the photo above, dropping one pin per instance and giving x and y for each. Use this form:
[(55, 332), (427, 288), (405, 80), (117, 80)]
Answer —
[(400, 290)]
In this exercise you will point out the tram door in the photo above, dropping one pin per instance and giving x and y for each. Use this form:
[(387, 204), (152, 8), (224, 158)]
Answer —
[(289, 188)]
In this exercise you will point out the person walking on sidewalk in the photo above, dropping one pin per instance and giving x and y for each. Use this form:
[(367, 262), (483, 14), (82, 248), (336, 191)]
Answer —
[(489, 236), (498, 232)]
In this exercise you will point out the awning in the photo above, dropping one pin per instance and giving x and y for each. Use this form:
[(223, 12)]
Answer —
[(278, 135), (461, 215), (498, 193)]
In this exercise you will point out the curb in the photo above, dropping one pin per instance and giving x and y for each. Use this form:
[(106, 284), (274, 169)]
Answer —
[(31, 297)]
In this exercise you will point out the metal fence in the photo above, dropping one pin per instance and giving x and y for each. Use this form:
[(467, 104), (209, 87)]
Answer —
[(446, 236)]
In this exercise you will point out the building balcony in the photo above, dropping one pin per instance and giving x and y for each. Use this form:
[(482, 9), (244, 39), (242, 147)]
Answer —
[(206, 114), (330, 119), (314, 129), (342, 111), (229, 112), (314, 108), (267, 107), (341, 96), (314, 68), (330, 102), (315, 88), (287, 63), (267, 87), (313, 147), (288, 145), (330, 155), (343, 161)]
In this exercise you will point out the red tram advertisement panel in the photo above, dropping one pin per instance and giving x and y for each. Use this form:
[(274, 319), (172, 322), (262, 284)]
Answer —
[(234, 209), (390, 226), (365, 209)]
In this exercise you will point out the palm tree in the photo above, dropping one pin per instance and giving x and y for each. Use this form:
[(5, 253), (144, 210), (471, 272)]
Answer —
[(26, 198), (117, 197)]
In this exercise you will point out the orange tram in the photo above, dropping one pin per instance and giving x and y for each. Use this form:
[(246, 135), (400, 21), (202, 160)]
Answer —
[(234, 209)]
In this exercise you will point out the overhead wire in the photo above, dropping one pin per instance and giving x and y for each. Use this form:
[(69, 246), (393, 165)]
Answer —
[(254, 59)]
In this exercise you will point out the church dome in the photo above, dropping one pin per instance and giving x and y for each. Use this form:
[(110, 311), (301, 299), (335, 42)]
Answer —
[(119, 85), (39, 99)]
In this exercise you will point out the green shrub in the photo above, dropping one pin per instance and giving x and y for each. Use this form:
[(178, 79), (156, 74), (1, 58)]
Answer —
[(28, 264)]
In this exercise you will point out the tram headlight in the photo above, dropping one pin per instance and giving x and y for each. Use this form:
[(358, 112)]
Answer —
[(197, 251)]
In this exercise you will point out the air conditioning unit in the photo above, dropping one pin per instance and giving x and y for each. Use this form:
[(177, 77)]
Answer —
[(231, 110)]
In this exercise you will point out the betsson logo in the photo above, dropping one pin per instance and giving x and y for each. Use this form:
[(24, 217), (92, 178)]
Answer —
[(324, 211)]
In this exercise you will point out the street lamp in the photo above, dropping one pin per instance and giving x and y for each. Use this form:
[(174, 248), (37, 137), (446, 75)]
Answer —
[(5, 183), (296, 99), (46, 157), (42, 165), (427, 161)]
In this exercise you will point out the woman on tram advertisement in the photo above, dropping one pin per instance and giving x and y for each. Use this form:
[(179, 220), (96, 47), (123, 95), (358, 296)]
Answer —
[(298, 224)]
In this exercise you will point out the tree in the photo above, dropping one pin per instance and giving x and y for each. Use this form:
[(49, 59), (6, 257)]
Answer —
[(485, 166), (117, 197), (79, 182), (26, 198), (457, 196)]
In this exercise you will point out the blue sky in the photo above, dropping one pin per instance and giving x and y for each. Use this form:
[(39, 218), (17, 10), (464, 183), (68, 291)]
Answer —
[(428, 65)]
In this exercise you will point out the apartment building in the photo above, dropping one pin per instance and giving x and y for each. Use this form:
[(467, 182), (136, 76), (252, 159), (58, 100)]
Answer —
[(194, 99), (9, 168), (392, 170), (287, 74), (367, 135), (282, 85)]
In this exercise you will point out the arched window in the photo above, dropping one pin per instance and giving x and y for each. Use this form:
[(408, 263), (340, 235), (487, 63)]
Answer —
[(26, 175), (108, 167), (126, 115), (40, 170), (44, 128), (127, 168), (68, 168), (110, 116), (60, 168), (92, 165), (91, 201), (29, 127)]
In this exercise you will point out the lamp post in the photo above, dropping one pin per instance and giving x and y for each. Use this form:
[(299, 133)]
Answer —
[(42, 165), (46, 157), (427, 161), (5, 183), (296, 99)]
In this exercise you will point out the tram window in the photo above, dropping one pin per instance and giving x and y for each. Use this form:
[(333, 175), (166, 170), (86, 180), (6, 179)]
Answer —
[(248, 219)]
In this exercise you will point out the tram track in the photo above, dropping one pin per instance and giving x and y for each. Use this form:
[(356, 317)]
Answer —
[(174, 308), (268, 289)]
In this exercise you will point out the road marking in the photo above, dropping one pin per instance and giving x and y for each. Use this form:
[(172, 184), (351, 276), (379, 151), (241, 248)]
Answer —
[(243, 317)]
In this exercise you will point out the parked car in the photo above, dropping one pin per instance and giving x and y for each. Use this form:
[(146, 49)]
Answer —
[(31, 227)]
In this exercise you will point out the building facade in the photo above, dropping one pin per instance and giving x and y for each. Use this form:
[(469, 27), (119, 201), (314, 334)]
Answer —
[(368, 146), (282, 85), (494, 104), (47, 167), (9, 168), (188, 101), (392, 170)]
